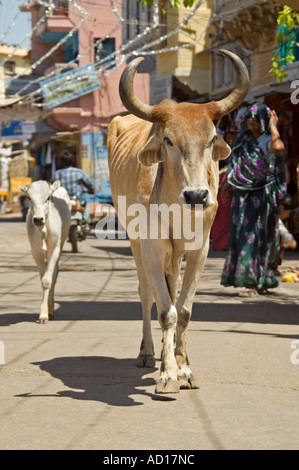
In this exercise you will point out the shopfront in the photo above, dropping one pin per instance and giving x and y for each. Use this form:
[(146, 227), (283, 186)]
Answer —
[(288, 114)]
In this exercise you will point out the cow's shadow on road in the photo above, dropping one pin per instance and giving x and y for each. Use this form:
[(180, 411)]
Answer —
[(101, 379), (80, 311), (250, 311)]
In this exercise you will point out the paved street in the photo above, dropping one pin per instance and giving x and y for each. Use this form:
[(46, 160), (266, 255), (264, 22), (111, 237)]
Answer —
[(72, 383)]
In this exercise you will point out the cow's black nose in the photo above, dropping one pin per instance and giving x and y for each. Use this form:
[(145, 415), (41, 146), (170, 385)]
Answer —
[(38, 220), (196, 196)]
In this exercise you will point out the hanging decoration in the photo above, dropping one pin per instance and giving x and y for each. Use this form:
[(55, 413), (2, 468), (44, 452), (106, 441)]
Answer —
[(70, 85), (141, 44)]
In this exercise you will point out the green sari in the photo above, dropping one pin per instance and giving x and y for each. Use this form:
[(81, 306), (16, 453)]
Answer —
[(259, 181)]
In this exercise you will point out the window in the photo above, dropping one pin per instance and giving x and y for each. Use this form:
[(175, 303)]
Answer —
[(105, 50), (60, 7), (138, 17), (71, 47), (223, 70), (9, 67), (218, 71)]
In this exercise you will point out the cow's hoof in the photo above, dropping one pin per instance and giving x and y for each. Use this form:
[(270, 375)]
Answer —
[(170, 386), (42, 320), (194, 383), (145, 360), (188, 383), (184, 383)]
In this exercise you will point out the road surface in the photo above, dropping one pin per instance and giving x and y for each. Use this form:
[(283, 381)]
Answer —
[(73, 384)]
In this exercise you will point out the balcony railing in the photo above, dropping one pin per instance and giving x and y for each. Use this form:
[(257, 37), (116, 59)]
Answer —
[(229, 6), (56, 8), (60, 7)]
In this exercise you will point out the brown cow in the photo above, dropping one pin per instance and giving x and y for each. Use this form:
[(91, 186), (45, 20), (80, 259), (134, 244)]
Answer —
[(167, 155)]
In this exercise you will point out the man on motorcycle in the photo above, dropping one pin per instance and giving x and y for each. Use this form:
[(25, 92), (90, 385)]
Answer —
[(72, 179)]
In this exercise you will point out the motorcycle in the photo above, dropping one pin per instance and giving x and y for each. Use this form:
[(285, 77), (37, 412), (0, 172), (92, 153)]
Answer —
[(79, 228)]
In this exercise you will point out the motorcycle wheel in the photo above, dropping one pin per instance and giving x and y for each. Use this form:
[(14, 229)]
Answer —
[(73, 238)]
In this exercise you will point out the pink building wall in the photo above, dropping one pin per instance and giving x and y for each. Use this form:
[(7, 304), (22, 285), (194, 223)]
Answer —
[(92, 112)]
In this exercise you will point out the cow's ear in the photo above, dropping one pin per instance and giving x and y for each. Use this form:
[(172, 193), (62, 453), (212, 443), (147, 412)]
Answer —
[(24, 188), (151, 152), (54, 186), (221, 150)]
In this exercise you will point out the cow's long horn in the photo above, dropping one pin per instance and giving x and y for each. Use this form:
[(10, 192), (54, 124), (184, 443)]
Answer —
[(128, 97), (237, 96)]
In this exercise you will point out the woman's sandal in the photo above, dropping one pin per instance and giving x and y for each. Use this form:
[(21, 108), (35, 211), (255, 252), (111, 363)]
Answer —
[(263, 291), (248, 293)]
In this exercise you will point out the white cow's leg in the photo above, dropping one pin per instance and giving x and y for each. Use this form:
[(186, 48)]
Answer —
[(146, 355), (44, 310), (51, 294), (48, 282), (153, 258), (39, 257), (194, 266)]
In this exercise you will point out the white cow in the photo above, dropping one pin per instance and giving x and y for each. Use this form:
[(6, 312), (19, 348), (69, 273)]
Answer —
[(48, 222)]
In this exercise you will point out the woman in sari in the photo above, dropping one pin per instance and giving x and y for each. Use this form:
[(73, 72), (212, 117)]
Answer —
[(220, 227), (256, 172)]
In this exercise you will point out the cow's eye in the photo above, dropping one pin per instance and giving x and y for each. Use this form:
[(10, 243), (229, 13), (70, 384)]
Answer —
[(168, 141)]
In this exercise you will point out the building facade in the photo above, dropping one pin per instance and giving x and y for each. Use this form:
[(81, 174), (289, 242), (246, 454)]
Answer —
[(247, 28), (185, 67), (12, 61), (72, 42)]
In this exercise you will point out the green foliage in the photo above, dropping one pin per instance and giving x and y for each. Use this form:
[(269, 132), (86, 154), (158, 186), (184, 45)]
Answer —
[(188, 3), (172, 3), (288, 27)]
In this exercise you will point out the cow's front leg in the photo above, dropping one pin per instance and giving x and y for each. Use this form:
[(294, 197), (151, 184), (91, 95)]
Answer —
[(39, 257), (167, 382), (48, 281), (146, 356), (153, 257), (194, 265), (44, 310), (185, 375), (51, 301)]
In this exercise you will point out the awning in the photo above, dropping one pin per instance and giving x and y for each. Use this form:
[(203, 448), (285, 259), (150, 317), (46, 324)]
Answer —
[(183, 91), (271, 89), (9, 101), (12, 109)]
